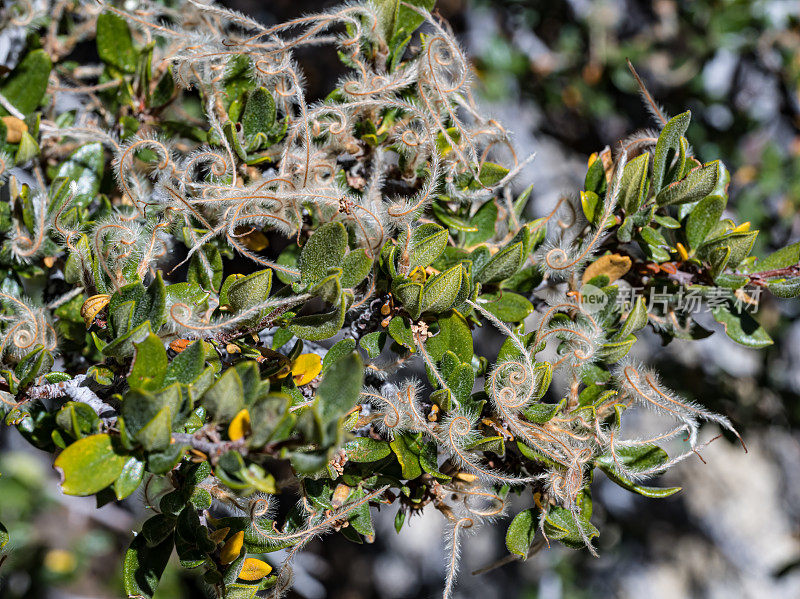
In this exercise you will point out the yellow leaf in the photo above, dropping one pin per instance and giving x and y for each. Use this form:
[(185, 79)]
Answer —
[(239, 426), (613, 266), (466, 476), (255, 241), (340, 495), (254, 569), (743, 228), (305, 368), (92, 307), (14, 129), (60, 561), (231, 549), (418, 274)]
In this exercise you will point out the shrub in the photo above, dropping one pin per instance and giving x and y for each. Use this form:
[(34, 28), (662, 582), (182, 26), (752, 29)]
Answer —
[(199, 234)]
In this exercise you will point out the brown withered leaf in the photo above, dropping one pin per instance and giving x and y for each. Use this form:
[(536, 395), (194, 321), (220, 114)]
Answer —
[(613, 266)]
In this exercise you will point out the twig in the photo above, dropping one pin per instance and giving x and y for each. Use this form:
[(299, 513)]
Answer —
[(265, 323), (76, 392), (10, 107), (213, 449), (759, 278)]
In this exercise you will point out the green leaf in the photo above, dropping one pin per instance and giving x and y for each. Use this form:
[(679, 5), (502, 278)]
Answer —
[(164, 89), (156, 434), (130, 478), (502, 265), (361, 520), (440, 291), (427, 243), (703, 218), (561, 525), (741, 327), (152, 306), (521, 531), (400, 331), (123, 346), (637, 319), (402, 446), (595, 179), (89, 465), (143, 566), (225, 398), (460, 379), (785, 288), (625, 231), (271, 419), (373, 343), (205, 267), (32, 365), (408, 293), (140, 407), (653, 237), (339, 350), (187, 366), (522, 201), (618, 349), (26, 85), (355, 268), (788, 256), (317, 327), (540, 413), (85, 167), (259, 115), (160, 526), (633, 188), (398, 21), (494, 444), (366, 449), (340, 388), (114, 42), (149, 365), (329, 288), (251, 290), (485, 221), (668, 144), (666, 221), (491, 174), (238, 80), (590, 201), (638, 458), (506, 305), (736, 246), (447, 217), (27, 149), (78, 419), (399, 519), (234, 140), (454, 335), (696, 185), (717, 258), (324, 249)]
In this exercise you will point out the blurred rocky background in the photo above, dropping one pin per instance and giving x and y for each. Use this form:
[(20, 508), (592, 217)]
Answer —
[(554, 72)]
